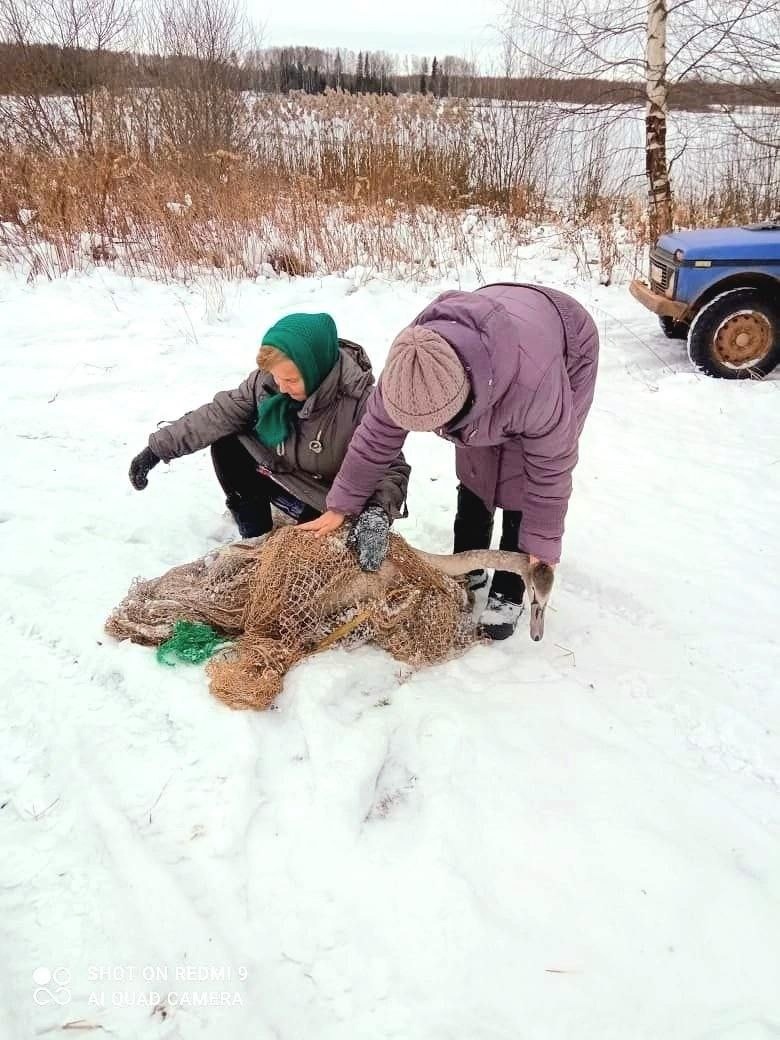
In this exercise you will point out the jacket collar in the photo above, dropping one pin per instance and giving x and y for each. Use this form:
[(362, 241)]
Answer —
[(480, 332), (477, 360), (325, 394), (348, 378)]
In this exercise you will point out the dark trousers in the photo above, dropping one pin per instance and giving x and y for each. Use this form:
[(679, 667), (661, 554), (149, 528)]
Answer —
[(474, 529), (249, 494)]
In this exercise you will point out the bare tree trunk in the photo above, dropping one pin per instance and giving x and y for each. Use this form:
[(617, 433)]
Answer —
[(655, 121)]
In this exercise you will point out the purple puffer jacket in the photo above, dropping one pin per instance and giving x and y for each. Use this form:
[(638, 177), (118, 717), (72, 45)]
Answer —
[(531, 354)]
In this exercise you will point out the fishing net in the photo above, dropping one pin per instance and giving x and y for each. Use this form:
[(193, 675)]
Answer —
[(191, 643), (286, 596)]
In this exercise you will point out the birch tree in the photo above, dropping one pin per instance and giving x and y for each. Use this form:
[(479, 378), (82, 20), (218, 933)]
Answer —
[(656, 163), (669, 43)]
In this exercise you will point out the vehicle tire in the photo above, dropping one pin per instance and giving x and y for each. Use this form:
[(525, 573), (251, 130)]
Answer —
[(736, 335), (673, 329)]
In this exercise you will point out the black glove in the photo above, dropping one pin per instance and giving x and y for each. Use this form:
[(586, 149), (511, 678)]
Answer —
[(370, 536), (140, 466)]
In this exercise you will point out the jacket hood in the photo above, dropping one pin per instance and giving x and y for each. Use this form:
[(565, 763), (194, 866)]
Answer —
[(474, 326)]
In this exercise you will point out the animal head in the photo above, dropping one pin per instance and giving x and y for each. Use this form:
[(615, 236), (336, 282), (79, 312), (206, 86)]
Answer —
[(540, 582), (538, 577)]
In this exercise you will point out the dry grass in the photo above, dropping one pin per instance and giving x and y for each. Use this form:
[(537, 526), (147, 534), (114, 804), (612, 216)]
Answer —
[(170, 221), (408, 186)]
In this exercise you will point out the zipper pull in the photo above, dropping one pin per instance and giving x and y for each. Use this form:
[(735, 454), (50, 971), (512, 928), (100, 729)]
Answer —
[(316, 444)]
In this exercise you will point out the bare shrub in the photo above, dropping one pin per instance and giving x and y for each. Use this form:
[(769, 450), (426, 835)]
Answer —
[(200, 107), (510, 161), (81, 33), (736, 182)]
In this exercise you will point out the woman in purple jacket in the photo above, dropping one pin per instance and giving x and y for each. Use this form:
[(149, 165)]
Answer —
[(507, 373)]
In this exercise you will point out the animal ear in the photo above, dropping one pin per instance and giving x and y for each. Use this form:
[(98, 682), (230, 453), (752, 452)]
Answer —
[(542, 577)]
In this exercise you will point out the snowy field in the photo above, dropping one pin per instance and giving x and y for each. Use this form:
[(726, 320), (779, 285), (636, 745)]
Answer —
[(571, 840)]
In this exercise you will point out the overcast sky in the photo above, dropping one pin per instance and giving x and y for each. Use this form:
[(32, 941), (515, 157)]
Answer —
[(424, 27)]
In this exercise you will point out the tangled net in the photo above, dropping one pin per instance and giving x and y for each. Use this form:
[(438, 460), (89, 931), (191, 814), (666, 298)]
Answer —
[(285, 597)]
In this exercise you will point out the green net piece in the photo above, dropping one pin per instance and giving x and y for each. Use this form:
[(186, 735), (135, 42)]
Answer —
[(191, 643)]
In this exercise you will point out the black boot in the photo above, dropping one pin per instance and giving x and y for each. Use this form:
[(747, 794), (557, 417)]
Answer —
[(473, 530), (252, 518), (505, 603), (499, 618), (476, 580), (247, 493)]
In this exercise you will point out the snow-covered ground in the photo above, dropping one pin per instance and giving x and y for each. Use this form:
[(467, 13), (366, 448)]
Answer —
[(571, 840)]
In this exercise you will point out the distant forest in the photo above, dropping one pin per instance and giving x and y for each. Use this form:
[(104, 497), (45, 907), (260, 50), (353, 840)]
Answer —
[(47, 69)]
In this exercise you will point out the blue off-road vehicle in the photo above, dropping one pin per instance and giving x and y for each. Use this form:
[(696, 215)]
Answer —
[(720, 290)]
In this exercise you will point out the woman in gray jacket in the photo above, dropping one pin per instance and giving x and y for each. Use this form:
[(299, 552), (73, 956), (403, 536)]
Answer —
[(280, 437)]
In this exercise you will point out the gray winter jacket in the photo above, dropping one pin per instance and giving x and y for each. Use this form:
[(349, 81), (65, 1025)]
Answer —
[(306, 463)]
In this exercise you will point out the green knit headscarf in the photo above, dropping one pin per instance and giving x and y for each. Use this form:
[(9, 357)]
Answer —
[(311, 342)]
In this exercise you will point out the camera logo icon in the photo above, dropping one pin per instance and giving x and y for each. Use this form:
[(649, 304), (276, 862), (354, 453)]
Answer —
[(51, 987)]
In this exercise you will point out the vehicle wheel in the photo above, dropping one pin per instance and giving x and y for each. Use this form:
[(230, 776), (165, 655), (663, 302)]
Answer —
[(736, 335), (673, 329)]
